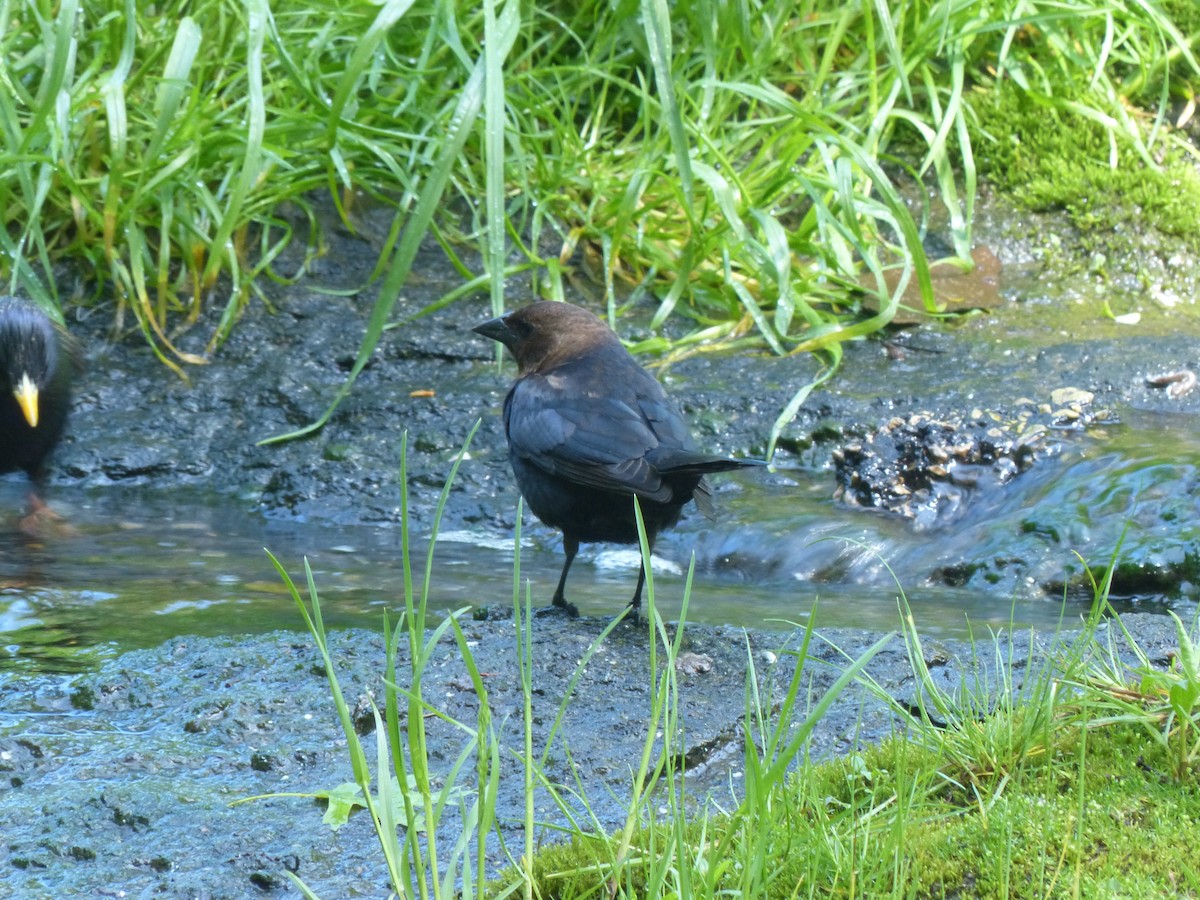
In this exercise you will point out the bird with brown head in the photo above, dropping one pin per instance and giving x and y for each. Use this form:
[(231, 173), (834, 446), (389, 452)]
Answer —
[(589, 430)]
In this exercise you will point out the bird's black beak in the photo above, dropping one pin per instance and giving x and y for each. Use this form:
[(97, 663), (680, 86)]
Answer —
[(497, 330)]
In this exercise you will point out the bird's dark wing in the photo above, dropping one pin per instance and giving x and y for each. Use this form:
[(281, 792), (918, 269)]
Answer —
[(598, 440)]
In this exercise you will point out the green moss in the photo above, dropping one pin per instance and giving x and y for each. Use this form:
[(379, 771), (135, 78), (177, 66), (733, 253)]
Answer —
[(1103, 815), (1099, 815), (1050, 158), (1184, 15)]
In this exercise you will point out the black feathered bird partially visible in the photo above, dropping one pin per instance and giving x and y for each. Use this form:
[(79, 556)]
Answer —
[(589, 429), (38, 362)]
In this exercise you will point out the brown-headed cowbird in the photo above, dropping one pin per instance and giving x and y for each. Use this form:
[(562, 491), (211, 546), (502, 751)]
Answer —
[(589, 429)]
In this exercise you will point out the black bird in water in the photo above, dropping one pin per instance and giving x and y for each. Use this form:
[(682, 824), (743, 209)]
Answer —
[(589, 429), (38, 362)]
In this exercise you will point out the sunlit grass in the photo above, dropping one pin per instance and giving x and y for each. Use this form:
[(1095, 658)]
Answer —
[(741, 166)]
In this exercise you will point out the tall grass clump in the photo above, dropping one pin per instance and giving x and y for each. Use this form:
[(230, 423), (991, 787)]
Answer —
[(1121, 685), (410, 805)]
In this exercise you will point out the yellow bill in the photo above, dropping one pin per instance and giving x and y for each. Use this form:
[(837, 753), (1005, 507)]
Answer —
[(27, 397)]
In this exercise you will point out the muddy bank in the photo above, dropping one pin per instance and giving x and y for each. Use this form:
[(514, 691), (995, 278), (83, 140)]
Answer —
[(119, 781)]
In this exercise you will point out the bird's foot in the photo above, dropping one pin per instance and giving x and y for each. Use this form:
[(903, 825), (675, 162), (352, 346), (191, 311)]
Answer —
[(559, 607), (42, 522)]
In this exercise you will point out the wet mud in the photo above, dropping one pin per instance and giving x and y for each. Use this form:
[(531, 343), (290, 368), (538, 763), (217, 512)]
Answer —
[(119, 782)]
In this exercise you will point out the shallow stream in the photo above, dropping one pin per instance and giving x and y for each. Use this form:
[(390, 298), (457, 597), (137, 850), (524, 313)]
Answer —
[(137, 567)]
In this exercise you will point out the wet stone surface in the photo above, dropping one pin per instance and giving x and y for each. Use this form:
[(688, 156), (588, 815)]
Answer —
[(925, 469)]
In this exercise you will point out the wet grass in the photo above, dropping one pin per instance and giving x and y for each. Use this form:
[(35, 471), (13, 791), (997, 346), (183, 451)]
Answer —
[(738, 165), (1069, 774)]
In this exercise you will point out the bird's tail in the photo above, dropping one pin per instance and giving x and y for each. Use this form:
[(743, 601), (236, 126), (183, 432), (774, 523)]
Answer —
[(698, 464)]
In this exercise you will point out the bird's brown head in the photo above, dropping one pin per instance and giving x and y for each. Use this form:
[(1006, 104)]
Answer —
[(547, 333)]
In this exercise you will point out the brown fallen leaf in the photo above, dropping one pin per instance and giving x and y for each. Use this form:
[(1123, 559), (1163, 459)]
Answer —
[(953, 289)]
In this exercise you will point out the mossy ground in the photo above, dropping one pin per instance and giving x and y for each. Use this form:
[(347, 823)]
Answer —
[(1101, 815), (1049, 158)]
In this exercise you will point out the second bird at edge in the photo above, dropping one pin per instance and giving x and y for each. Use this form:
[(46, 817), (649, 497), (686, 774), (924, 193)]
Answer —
[(38, 363)]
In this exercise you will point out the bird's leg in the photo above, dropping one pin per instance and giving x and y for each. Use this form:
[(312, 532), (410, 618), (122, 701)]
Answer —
[(570, 548), (636, 603)]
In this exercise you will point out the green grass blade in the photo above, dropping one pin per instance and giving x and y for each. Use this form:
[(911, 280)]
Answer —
[(174, 88), (459, 128), (252, 154), (495, 129), (364, 49), (656, 21)]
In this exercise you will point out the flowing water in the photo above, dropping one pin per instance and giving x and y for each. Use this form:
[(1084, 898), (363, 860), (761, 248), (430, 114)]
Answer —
[(135, 568)]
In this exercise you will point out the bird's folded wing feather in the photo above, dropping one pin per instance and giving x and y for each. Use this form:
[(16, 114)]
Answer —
[(598, 441)]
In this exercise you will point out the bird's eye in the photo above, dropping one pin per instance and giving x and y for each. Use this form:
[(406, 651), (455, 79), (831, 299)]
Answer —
[(520, 327)]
